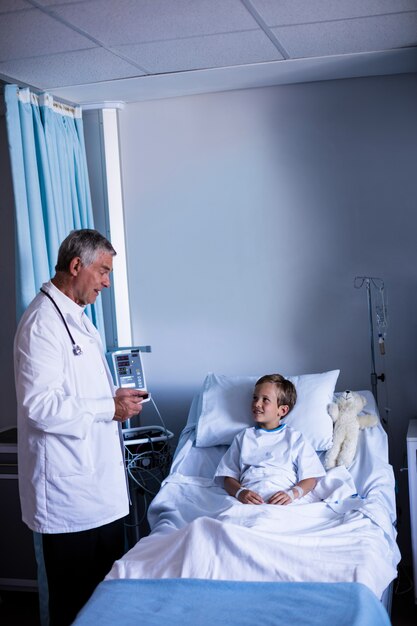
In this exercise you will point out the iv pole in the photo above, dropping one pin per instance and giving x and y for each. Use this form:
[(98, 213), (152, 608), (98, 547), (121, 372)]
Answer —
[(378, 283)]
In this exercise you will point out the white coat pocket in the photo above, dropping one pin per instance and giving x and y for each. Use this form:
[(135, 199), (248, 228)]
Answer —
[(67, 456)]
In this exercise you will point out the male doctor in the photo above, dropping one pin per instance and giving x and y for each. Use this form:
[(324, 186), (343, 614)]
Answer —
[(72, 479)]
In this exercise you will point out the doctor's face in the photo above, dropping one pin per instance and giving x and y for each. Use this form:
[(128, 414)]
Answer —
[(265, 409), (91, 279)]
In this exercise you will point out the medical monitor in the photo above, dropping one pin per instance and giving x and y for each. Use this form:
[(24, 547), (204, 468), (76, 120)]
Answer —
[(127, 368)]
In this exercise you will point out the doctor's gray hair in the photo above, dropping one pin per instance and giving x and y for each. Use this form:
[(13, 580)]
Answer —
[(86, 244)]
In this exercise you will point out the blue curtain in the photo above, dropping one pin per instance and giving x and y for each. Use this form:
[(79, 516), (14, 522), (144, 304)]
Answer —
[(51, 187), (52, 197)]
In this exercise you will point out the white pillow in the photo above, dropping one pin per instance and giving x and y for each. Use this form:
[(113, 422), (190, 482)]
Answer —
[(226, 408)]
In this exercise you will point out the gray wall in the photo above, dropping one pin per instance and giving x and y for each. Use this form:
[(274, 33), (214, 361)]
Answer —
[(248, 215)]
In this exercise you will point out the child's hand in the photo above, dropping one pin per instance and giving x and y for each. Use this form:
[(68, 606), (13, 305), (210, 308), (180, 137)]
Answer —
[(250, 497), (280, 497)]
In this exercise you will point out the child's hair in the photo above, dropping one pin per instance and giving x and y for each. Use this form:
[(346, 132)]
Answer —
[(286, 392)]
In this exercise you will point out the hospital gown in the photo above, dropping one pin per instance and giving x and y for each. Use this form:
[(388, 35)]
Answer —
[(267, 461)]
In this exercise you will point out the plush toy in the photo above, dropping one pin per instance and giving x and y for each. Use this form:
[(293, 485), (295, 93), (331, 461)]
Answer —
[(346, 424)]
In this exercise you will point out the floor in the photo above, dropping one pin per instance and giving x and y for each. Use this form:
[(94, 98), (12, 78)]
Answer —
[(19, 608)]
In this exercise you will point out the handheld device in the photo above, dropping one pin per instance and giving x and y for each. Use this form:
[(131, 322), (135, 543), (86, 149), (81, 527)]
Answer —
[(126, 365)]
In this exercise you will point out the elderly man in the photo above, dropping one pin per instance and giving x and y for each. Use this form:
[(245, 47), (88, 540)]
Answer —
[(72, 480)]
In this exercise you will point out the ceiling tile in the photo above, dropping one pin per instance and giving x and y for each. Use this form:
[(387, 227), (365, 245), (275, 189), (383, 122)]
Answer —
[(33, 33), (350, 36), (287, 12), (135, 21), (69, 68), (202, 52), (59, 43)]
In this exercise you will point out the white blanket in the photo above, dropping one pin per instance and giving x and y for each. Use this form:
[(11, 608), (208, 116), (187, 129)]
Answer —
[(201, 532)]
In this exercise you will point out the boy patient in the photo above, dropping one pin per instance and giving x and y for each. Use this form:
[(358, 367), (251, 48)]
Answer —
[(270, 462)]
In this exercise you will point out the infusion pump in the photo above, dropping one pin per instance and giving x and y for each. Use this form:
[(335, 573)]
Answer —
[(127, 368)]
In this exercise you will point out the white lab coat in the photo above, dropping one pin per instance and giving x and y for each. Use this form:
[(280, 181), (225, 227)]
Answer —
[(270, 461), (71, 468)]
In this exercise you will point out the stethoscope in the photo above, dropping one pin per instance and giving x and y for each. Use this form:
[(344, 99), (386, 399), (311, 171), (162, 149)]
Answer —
[(76, 350)]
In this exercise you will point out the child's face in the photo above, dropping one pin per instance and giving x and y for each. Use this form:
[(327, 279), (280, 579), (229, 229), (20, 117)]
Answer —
[(265, 409)]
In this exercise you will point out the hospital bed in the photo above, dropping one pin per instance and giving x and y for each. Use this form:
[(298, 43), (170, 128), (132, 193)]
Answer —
[(333, 557)]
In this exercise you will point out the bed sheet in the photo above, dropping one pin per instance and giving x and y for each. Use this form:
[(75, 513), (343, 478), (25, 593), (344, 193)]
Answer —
[(184, 601), (344, 533)]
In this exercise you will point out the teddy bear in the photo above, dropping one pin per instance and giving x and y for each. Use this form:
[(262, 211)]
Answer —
[(346, 425)]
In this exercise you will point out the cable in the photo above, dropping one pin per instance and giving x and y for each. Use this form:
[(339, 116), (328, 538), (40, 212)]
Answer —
[(402, 572), (160, 417), (147, 466), (144, 466)]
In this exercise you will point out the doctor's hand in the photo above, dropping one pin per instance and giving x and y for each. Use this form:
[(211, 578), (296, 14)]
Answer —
[(127, 403)]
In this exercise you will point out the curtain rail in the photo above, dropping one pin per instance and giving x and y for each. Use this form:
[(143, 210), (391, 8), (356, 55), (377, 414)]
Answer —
[(25, 94)]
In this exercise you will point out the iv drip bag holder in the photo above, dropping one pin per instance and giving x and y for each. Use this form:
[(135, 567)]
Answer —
[(381, 320)]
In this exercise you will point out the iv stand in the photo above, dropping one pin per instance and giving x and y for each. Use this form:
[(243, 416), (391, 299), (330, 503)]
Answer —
[(378, 283)]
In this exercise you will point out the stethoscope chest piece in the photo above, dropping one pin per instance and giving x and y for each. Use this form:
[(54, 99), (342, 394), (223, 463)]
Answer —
[(76, 350)]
